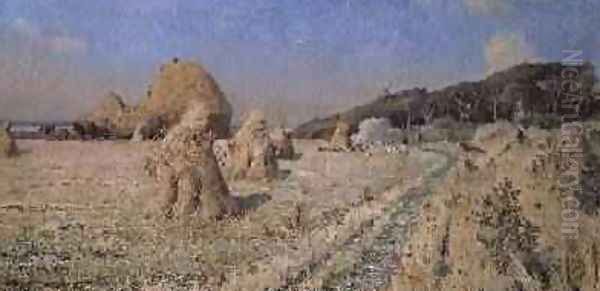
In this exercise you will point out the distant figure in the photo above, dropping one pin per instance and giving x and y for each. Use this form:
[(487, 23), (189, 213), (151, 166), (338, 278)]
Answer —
[(521, 135)]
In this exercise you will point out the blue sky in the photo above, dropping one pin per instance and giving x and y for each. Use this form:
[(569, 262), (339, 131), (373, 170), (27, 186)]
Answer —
[(59, 56)]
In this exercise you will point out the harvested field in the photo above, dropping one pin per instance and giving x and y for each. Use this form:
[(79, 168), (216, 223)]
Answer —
[(78, 214)]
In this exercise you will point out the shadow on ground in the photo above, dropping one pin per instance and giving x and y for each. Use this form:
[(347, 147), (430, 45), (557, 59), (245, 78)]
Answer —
[(253, 201)]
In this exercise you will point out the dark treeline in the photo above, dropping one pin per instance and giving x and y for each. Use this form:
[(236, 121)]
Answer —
[(531, 93)]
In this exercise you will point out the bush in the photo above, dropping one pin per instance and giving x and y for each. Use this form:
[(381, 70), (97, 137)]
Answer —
[(494, 130), (445, 123), (435, 134), (543, 121), (449, 129), (372, 130), (502, 227)]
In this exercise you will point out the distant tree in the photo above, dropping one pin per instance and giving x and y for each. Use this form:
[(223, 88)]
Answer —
[(495, 108), (428, 113), (464, 108), (519, 111)]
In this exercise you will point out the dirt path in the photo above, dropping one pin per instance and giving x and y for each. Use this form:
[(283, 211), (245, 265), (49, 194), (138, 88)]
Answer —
[(368, 258)]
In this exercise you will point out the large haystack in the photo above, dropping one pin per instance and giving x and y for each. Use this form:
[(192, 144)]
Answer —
[(8, 147), (282, 143), (181, 82), (187, 170), (252, 152)]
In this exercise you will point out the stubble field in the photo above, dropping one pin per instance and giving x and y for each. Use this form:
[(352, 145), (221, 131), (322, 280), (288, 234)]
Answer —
[(77, 215)]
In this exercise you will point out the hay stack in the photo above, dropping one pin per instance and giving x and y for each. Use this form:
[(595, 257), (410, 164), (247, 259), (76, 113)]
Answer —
[(177, 85), (8, 147), (187, 170), (252, 152), (113, 115), (341, 137), (110, 108), (282, 143)]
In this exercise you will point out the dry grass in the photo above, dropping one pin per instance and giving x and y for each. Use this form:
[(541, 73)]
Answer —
[(82, 213), (8, 147), (453, 249)]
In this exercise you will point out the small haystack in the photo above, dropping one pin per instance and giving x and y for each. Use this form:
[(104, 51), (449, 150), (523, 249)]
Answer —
[(282, 143), (187, 171), (252, 151), (110, 108), (180, 83), (8, 147), (113, 115), (340, 141)]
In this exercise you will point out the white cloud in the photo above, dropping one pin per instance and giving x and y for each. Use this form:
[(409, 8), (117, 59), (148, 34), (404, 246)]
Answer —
[(36, 84), (489, 7), (426, 3), (149, 7), (25, 28), (505, 50), (67, 45), (499, 7), (55, 43)]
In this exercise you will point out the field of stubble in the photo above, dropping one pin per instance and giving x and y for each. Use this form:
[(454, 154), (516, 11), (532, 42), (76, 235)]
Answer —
[(80, 215)]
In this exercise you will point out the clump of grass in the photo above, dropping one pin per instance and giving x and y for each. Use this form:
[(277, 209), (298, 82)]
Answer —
[(8, 147), (507, 234)]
